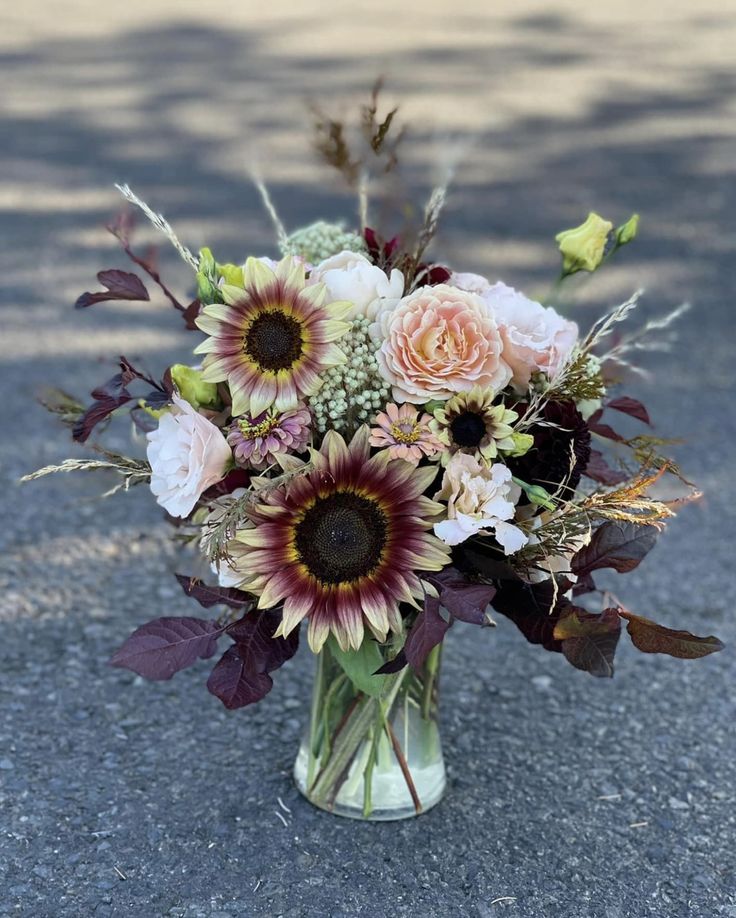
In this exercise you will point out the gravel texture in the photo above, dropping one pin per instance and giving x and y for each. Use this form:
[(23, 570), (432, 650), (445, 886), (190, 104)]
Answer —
[(569, 797)]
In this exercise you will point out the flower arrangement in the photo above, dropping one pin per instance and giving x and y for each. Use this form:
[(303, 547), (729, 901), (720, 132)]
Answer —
[(375, 447)]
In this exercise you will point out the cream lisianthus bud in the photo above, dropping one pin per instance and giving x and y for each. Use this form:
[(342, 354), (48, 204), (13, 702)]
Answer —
[(583, 246)]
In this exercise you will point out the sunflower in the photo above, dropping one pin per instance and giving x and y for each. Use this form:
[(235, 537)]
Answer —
[(470, 423), (271, 338), (341, 544)]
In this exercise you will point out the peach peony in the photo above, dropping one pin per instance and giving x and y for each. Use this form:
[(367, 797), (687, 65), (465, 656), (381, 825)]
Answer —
[(438, 341)]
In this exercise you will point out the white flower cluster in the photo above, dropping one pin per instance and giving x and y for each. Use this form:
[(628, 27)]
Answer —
[(319, 240), (352, 393)]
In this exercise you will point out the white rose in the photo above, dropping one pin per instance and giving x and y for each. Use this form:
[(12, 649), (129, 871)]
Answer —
[(188, 454), (535, 337), (353, 277), (479, 498)]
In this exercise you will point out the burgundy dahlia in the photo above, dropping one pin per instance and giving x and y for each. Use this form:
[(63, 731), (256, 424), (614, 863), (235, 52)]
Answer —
[(561, 449)]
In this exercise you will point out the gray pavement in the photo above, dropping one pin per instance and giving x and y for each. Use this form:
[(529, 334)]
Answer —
[(569, 797)]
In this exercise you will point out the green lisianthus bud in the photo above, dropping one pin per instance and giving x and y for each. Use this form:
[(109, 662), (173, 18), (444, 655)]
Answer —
[(207, 291), (583, 246), (627, 231), (433, 405), (522, 444), (192, 387), (538, 495)]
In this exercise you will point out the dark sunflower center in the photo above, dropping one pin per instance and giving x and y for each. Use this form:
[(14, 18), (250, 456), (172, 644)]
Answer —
[(274, 340), (341, 537), (468, 429)]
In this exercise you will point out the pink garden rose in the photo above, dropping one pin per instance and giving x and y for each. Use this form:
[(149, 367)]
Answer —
[(535, 337), (188, 454), (438, 341)]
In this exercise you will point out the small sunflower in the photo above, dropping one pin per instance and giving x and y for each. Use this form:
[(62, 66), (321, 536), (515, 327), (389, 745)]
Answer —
[(271, 338), (470, 423), (342, 543)]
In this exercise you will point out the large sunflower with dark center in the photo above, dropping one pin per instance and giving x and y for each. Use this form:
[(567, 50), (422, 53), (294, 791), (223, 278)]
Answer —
[(272, 338), (342, 544), (561, 450)]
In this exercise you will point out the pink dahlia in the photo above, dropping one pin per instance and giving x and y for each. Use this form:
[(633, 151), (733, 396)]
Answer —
[(405, 433)]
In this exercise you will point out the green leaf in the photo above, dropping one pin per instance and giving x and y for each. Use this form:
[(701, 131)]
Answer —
[(360, 665)]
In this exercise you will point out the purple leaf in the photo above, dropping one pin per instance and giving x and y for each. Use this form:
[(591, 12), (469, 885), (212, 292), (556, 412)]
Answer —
[(631, 406), (649, 637), (599, 470), (234, 681), (254, 635), (162, 647), (615, 544), (463, 599), (589, 641), (428, 630), (121, 285), (208, 596), (241, 676), (121, 228), (109, 397)]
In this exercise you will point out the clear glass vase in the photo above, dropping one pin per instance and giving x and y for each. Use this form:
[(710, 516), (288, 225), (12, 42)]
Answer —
[(373, 756)]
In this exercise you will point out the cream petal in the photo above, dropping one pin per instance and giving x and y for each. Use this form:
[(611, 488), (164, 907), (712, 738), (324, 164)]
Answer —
[(339, 309), (208, 325), (256, 274), (233, 295), (220, 311), (262, 395)]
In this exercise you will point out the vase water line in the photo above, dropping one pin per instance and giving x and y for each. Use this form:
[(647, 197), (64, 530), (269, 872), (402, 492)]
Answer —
[(373, 755)]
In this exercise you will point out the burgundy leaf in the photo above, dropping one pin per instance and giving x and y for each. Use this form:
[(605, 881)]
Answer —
[(254, 636), (162, 647), (599, 470), (463, 599), (584, 584), (482, 557), (393, 666), (99, 411), (109, 397), (428, 630), (120, 285), (631, 406), (208, 596), (121, 228), (235, 683), (606, 431), (534, 609), (649, 637), (588, 640), (615, 544)]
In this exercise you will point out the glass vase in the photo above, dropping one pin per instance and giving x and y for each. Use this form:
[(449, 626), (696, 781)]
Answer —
[(373, 754)]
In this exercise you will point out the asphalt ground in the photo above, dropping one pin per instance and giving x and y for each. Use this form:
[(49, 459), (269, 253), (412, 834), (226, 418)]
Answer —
[(568, 796)]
